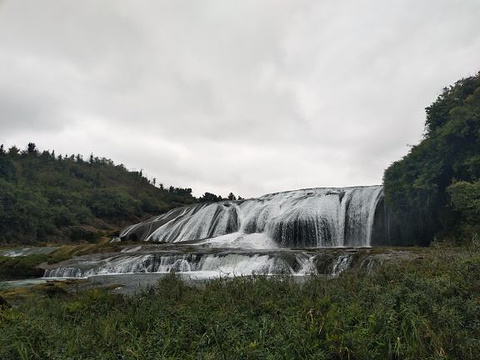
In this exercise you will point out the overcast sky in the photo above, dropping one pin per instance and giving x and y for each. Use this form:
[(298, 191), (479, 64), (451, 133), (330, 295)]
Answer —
[(250, 96)]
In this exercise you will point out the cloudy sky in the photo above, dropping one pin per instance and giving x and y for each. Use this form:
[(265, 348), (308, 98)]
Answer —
[(250, 96)]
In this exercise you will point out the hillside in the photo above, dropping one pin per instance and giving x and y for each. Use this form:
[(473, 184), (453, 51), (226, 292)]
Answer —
[(434, 191), (48, 198)]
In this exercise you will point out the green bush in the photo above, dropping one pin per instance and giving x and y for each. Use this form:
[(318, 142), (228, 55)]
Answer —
[(21, 267), (465, 200)]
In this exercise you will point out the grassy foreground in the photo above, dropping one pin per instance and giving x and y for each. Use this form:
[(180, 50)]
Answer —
[(426, 309)]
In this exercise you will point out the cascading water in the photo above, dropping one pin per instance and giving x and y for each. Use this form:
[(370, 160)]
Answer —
[(320, 217), (296, 232), (284, 262), (341, 264)]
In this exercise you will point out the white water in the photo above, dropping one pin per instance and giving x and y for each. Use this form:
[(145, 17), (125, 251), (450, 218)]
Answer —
[(252, 236), (343, 263), (221, 265), (239, 240), (204, 265), (319, 217)]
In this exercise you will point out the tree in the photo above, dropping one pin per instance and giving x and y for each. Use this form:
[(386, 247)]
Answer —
[(31, 148), (7, 168), (13, 151), (231, 196), (42, 197), (209, 197), (416, 187)]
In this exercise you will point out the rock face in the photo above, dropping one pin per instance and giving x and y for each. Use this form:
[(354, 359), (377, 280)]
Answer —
[(319, 217)]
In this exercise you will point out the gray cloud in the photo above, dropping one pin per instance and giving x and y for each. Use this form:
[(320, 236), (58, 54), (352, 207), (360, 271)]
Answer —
[(220, 96)]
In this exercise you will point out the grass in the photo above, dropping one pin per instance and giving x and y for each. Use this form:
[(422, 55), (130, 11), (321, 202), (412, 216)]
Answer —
[(423, 309)]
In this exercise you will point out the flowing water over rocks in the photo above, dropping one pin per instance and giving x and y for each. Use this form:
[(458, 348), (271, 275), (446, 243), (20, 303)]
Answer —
[(135, 266), (303, 232), (319, 217), (208, 263)]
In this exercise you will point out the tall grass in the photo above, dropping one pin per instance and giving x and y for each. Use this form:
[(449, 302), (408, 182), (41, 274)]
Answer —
[(427, 309)]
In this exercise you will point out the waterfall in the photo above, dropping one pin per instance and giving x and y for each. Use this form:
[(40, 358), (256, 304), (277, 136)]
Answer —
[(214, 264), (318, 217), (294, 232), (341, 264), (210, 265)]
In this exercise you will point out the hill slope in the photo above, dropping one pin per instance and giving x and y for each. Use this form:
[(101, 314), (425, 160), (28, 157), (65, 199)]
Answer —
[(435, 189), (44, 198)]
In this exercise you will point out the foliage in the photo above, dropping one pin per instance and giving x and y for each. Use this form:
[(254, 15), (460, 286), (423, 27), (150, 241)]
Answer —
[(21, 267), (7, 168), (209, 197), (428, 309), (465, 199), (48, 198), (416, 186)]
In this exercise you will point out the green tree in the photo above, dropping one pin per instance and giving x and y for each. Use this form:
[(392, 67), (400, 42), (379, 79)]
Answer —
[(209, 197), (7, 168), (31, 148), (44, 198), (465, 200), (416, 186)]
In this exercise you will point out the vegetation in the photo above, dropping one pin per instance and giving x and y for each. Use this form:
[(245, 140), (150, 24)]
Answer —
[(209, 197), (435, 189), (22, 267), (47, 198), (427, 309)]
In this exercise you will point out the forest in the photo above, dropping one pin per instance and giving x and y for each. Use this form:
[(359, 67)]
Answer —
[(45, 198), (434, 191)]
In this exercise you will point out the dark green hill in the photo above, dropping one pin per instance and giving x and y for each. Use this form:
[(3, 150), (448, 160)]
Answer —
[(44, 198), (434, 191)]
